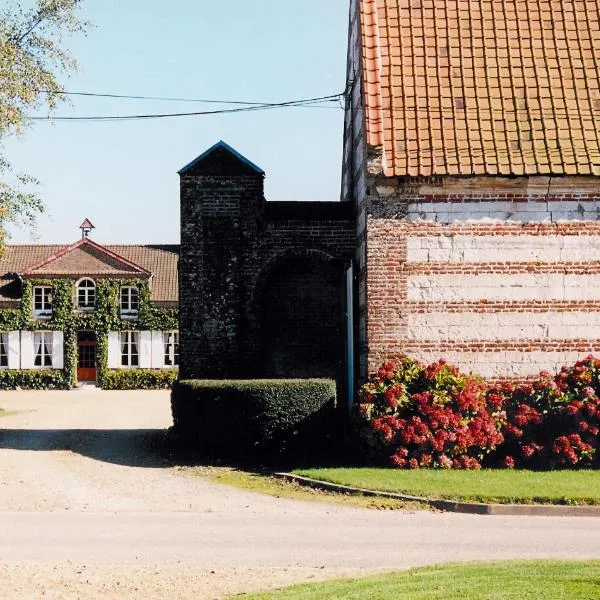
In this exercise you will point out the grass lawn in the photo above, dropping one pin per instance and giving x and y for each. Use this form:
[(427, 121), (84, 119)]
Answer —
[(514, 580), (270, 486), (502, 485)]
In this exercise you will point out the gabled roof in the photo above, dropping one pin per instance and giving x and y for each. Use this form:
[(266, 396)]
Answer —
[(86, 224), (161, 261), (477, 87), (219, 160), (85, 257)]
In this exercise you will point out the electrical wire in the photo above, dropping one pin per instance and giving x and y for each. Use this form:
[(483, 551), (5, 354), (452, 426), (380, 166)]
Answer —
[(306, 102), (161, 98)]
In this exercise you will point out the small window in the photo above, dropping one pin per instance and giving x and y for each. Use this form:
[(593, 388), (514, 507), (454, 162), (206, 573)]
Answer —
[(3, 350), (42, 346), (130, 356), (86, 295), (171, 341), (130, 301), (42, 302)]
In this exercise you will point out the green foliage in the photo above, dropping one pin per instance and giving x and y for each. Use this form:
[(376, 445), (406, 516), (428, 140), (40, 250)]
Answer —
[(32, 57), (44, 379), (496, 486), (105, 318), (248, 419), (139, 379), (506, 580)]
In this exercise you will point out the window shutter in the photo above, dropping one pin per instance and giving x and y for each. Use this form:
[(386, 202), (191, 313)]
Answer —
[(14, 350), (114, 350), (158, 350), (145, 349), (27, 351), (58, 350)]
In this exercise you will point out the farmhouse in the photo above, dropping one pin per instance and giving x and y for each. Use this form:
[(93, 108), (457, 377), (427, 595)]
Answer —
[(87, 312), (472, 157)]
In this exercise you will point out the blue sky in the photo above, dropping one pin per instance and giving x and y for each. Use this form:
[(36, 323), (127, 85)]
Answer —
[(123, 175)]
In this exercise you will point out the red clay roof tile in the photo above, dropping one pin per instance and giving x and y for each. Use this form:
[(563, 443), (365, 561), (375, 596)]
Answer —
[(473, 87)]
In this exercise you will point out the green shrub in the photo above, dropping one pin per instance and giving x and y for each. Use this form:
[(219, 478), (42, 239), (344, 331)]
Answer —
[(256, 419), (35, 379), (138, 379)]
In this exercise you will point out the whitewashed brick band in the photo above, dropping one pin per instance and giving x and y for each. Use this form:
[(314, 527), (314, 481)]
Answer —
[(505, 364), (509, 248), (470, 326), (551, 286), (505, 211)]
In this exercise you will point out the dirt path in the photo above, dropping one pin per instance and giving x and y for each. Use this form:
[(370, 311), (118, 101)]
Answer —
[(89, 510)]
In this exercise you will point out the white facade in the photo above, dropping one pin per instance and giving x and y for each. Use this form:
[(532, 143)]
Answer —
[(22, 350)]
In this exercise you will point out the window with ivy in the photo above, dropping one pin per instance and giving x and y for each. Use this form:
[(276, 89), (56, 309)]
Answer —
[(171, 343), (42, 301), (86, 295), (3, 350), (42, 345), (130, 356), (130, 301)]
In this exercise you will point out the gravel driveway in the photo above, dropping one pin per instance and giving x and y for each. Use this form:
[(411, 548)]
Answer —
[(89, 510)]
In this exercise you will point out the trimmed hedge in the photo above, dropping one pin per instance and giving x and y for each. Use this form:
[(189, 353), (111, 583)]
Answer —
[(34, 379), (139, 379), (256, 419)]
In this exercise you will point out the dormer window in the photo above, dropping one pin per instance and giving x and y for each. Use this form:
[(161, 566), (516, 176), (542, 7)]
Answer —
[(130, 301), (86, 295), (42, 302)]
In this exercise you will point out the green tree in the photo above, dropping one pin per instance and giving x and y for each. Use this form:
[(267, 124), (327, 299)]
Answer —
[(33, 58)]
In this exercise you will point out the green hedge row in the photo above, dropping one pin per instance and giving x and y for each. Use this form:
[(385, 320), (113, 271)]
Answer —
[(139, 379), (38, 379), (268, 420)]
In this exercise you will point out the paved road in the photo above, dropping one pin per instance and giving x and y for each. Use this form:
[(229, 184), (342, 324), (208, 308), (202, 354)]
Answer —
[(89, 509)]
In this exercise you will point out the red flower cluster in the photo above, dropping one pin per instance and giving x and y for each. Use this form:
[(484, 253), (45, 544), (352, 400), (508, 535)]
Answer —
[(433, 416), (555, 421), (430, 416)]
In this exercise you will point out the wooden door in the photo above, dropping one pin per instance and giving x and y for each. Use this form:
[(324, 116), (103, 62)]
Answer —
[(86, 356)]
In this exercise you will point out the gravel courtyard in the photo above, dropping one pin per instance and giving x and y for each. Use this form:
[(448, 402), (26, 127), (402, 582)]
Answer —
[(89, 510)]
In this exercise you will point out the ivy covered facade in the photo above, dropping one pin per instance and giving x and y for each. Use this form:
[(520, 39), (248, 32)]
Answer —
[(89, 313)]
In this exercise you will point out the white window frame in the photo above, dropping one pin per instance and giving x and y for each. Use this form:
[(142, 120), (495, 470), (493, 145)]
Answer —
[(126, 294), (45, 301), (170, 342), (126, 341), (86, 290), (45, 339), (4, 346)]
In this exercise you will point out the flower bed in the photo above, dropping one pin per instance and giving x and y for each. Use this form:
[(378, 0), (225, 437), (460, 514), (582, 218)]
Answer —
[(415, 416)]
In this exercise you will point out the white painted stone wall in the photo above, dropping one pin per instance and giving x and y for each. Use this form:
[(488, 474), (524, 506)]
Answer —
[(503, 248), (503, 287), (471, 326), (505, 364), (505, 211)]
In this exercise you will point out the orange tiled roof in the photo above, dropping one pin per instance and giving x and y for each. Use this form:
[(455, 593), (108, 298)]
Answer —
[(474, 87)]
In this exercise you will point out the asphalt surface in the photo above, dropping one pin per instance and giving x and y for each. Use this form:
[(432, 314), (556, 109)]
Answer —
[(83, 490)]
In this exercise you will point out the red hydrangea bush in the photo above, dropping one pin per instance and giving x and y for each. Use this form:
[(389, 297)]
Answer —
[(414, 416), (554, 422), (429, 416)]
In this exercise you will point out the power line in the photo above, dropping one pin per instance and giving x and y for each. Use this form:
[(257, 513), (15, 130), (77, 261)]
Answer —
[(161, 98), (306, 102)]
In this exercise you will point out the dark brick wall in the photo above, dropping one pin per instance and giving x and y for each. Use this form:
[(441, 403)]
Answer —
[(355, 175), (232, 244), (303, 319)]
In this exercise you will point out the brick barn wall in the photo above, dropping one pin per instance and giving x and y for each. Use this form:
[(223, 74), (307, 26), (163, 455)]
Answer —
[(501, 276)]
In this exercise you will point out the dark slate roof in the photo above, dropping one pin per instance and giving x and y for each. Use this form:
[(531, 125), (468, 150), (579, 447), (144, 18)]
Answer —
[(221, 159)]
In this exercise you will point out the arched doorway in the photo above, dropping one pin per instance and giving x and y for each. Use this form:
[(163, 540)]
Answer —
[(302, 318)]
